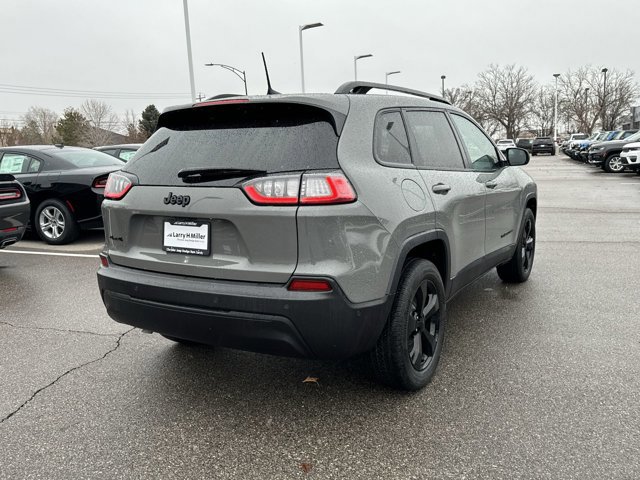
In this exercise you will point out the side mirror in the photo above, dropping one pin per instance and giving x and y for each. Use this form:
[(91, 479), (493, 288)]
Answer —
[(517, 157)]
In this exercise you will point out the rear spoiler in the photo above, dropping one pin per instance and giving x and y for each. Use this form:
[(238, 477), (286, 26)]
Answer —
[(336, 106)]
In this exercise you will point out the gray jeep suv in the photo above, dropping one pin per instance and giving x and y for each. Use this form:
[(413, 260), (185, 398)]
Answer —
[(322, 226)]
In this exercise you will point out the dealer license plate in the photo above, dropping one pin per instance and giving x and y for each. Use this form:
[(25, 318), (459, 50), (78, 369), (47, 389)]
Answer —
[(186, 237)]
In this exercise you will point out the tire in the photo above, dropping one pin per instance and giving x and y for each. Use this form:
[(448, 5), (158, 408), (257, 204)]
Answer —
[(613, 164), (54, 223), (518, 269), (409, 348)]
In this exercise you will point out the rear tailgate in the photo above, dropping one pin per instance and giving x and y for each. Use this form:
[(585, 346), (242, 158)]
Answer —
[(222, 234)]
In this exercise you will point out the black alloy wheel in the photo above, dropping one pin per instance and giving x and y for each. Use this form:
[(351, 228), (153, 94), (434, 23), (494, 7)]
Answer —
[(518, 268), (409, 348), (424, 325)]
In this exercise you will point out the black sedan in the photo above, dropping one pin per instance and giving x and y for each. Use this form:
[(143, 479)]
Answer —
[(14, 210), (65, 186), (124, 152)]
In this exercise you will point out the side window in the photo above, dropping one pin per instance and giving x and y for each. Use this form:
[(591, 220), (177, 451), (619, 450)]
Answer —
[(435, 142), (390, 139), (14, 163), (111, 152), (126, 155), (482, 153), (34, 166)]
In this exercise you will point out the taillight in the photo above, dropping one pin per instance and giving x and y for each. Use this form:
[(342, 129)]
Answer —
[(275, 190), (311, 189), (321, 188), (8, 194), (104, 260), (100, 182), (117, 186), (305, 285)]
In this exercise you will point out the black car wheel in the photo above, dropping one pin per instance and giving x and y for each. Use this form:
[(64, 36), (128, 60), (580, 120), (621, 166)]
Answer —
[(518, 269), (409, 348), (613, 164), (54, 223)]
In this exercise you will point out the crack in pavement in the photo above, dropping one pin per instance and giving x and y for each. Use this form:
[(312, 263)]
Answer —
[(41, 389), (24, 327)]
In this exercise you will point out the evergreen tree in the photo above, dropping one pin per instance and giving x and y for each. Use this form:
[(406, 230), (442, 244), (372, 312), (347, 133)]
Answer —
[(72, 127), (149, 121)]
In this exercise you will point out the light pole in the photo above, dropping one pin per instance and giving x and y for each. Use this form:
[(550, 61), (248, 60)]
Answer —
[(555, 112), (239, 73), (301, 29), (188, 32), (604, 97), (355, 63), (442, 77), (386, 76)]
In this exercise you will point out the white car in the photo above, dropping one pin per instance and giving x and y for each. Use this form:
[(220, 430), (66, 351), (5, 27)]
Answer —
[(506, 143), (630, 156)]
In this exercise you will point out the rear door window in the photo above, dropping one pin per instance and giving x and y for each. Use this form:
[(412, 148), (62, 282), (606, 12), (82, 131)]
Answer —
[(435, 143), (14, 163), (272, 137), (391, 144)]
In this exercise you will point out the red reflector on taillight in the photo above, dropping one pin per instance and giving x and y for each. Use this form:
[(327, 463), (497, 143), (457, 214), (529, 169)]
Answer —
[(300, 285), (10, 194), (104, 260), (117, 186), (322, 188), (100, 182), (221, 102)]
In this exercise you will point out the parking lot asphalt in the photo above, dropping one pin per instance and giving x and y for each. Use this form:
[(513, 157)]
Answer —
[(539, 380)]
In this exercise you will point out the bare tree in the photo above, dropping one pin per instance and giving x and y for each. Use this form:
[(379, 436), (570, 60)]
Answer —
[(9, 134), (465, 98), (585, 100), (505, 95), (102, 122), (39, 126), (131, 125), (541, 117)]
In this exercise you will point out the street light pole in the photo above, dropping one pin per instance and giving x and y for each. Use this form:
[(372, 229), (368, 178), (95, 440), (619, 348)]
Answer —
[(355, 63), (188, 32), (239, 73), (604, 98), (442, 77), (301, 29), (555, 111), (386, 79)]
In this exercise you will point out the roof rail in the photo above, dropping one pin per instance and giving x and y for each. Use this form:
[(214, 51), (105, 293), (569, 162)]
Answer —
[(361, 88)]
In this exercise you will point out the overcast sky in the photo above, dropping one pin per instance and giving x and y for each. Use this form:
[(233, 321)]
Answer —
[(139, 45)]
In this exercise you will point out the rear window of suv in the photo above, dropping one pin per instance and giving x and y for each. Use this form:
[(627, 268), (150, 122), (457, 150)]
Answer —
[(274, 137), (542, 140)]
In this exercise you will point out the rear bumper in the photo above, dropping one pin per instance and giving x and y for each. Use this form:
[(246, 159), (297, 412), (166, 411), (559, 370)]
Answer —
[(264, 318), (550, 150), (13, 221)]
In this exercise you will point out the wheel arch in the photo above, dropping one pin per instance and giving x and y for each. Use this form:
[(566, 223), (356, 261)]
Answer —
[(433, 246)]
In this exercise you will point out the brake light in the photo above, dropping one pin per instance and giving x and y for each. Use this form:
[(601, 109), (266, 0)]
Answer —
[(104, 260), (117, 186), (100, 182), (302, 285), (311, 189), (221, 102), (8, 194)]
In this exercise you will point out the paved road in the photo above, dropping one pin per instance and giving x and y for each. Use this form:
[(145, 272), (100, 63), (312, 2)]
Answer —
[(540, 380)]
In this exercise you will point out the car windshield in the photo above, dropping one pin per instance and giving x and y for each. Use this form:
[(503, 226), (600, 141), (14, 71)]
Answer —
[(633, 138), (505, 141), (83, 158), (580, 136)]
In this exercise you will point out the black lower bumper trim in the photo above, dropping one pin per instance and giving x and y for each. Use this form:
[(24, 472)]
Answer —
[(257, 317)]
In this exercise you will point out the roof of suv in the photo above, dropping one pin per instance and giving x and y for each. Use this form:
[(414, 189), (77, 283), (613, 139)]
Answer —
[(338, 101)]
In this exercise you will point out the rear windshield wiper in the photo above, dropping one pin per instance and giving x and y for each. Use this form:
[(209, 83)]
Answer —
[(195, 175)]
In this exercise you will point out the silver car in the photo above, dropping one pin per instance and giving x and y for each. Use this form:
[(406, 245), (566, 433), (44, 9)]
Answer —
[(325, 225)]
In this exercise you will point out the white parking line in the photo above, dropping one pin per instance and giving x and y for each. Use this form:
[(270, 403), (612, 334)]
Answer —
[(630, 183), (54, 254)]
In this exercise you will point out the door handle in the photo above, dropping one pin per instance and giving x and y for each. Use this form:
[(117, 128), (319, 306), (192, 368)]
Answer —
[(440, 188), (491, 184)]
